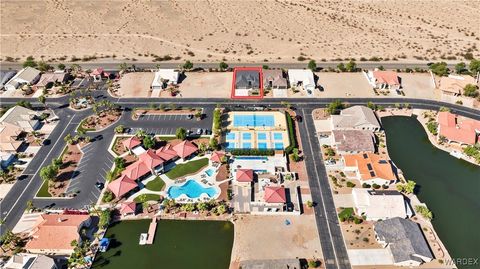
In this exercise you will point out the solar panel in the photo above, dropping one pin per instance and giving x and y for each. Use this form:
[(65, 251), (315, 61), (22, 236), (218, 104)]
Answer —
[(365, 156), (372, 174), (369, 165)]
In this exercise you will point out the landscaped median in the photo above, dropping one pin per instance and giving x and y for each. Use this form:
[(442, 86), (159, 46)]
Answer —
[(187, 168), (170, 110), (102, 119)]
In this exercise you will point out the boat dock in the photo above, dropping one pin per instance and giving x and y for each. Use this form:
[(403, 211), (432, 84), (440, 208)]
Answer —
[(151, 231)]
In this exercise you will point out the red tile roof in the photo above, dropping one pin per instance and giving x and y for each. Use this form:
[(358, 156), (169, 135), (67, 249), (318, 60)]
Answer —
[(185, 148), (128, 208), (370, 166), (388, 77), (458, 129), (150, 159), (166, 152), (136, 170), (121, 186), (275, 195), (217, 156), (132, 142), (244, 175), (97, 71), (48, 227)]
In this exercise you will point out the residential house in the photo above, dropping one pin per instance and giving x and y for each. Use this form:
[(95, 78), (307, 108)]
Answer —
[(121, 186), (458, 129), (25, 118), (185, 149), (47, 80), (356, 117), (167, 153), (6, 159), (275, 195), (353, 141), (26, 76), (5, 76), (247, 81), (302, 78), (30, 261), (164, 77), (405, 240), (45, 234), (380, 79), (380, 204), (276, 81), (81, 83), (369, 168), (454, 84), (152, 160), (10, 137)]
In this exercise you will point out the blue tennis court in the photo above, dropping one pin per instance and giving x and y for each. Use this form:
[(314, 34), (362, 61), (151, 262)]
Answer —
[(262, 136), (278, 146), (246, 136), (230, 136), (247, 145), (230, 145), (253, 120), (262, 145), (277, 136)]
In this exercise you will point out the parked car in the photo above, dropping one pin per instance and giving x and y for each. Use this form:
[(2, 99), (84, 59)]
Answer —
[(298, 118), (199, 131), (100, 185), (189, 116), (208, 132)]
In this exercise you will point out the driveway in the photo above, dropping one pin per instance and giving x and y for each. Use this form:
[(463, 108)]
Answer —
[(377, 256), (241, 199)]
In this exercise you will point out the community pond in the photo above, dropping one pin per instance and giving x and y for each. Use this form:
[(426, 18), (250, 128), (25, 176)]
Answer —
[(450, 187), (178, 244)]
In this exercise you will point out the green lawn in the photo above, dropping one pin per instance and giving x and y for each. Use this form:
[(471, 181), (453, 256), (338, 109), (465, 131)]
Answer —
[(43, 192), (148, 196), (187, 168), (345, 213), (155, 185), (166, 138)]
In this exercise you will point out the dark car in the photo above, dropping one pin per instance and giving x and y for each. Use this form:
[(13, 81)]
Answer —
[(100, 185), (298, 118), (189, 116)]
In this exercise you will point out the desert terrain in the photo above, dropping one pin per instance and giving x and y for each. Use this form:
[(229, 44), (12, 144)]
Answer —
[(238, 31)]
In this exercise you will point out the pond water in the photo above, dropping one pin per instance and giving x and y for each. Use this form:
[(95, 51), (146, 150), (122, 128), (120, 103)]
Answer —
[(178, 244), (450, 187)]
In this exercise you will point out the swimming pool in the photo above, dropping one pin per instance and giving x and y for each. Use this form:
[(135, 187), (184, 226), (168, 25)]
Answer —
[(209, 172), (192, 189), (253, 120), (263, 158)]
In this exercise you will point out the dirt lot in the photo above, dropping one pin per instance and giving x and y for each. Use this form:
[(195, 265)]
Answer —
[(136, 84), (204, 85), (344, 85), (267, 237), (418, 86), (359, 235)]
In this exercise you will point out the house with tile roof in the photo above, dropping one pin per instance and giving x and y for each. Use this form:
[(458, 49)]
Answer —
[(49, 79), (185, 149), (121, 186), (353, 141), (44, 237), (382, 79), (356, 118), (131, 143), (369, 168), (458, 129), (26, 76), (128, 208), (275, 80), (25, 118), (454, 84), (167, 153), (10, 140), (380, 204), (405, 240)]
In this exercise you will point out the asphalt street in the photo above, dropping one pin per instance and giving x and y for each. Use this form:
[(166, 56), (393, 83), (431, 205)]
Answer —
[(96, 160)]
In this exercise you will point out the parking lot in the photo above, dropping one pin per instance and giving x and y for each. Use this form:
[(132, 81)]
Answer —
[(166, 117)]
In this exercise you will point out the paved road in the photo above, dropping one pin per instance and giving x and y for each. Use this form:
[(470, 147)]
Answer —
[(114, 66), (93, 165)]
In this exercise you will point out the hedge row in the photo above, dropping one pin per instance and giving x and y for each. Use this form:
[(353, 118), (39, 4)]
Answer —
[(291, 134), (253, 152)]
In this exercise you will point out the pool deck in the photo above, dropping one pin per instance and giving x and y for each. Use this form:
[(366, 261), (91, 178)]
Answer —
[(152, 228)]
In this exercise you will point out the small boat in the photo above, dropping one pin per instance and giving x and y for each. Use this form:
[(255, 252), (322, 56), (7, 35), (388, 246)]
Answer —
[(143, 238), (456, 154), (103, 244)]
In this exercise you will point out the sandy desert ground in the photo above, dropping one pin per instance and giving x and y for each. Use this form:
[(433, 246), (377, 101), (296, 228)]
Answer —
[(240, 30)]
